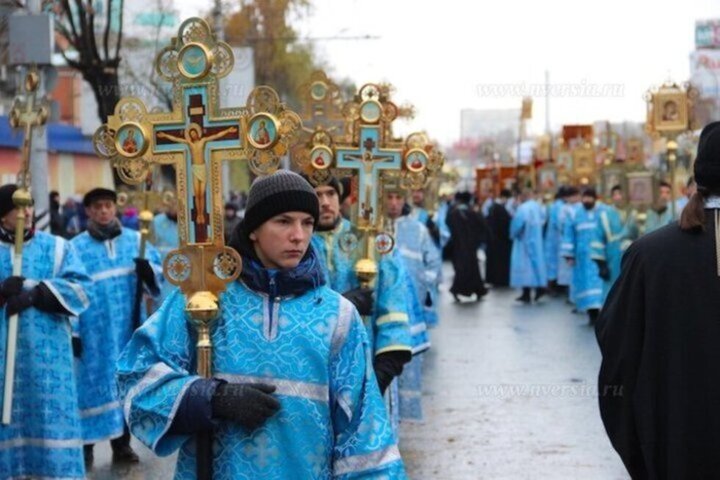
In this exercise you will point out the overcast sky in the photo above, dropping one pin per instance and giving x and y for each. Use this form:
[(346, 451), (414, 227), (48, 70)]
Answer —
[(452, 54)]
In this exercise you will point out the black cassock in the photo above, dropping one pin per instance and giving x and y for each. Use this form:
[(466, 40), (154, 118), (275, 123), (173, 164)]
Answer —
[(659, 333), (499, 246), (468, 231)]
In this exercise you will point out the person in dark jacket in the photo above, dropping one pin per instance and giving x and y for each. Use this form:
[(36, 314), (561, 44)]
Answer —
[(468, 231), (659, 331), (499, 242)]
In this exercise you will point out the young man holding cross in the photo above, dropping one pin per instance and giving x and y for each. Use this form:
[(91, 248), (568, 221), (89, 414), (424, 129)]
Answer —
[(292, 395), (44, 438)]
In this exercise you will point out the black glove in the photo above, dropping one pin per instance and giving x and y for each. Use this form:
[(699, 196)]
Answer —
[(428, 300), (389, 365), (362, 298), (248, 404), (603, 270), (145, 274), (20, 302), (11, 286), (77, 347)]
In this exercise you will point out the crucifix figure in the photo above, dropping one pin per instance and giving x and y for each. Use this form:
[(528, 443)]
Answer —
[(196, 142), (369, 161)]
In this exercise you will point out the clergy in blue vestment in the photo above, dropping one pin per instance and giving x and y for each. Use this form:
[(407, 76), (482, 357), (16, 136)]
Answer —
[(421, 258), (419, 253), (579, 235), (553, 237), (293, 394), (109, 253), (660, 214), (527, 262), (567, 212), (165, 238), (616, 229), (386, 309), (44, 438)]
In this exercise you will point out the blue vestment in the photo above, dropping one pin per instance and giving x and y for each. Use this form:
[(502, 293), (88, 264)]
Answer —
[(44, 439), (553, 237), (580, 233), (312, 346), (527, 261), (106, 326), (615, 232), (389, 328), (165, 239)]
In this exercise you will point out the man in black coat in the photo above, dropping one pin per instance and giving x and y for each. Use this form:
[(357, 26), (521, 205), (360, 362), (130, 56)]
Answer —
[(468, 231), (499, 242), (659, 333)]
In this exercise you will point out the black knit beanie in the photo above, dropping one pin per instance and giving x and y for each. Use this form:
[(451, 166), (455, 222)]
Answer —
[(283, 191), (707, 162), (6, 201)]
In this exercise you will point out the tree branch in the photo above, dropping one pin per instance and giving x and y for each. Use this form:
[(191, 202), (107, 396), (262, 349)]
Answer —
[(91, 36), (84, 51), (120, 31), (68, 14), (106, 37)]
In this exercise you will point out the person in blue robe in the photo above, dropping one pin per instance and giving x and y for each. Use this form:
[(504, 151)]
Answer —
[(660, 214), (567, 212), (440, 219), (553, 237), (44, 438), (165, 239), (386, 309), (616, 229), (421, 259), (293, 392), (577, 249), (109, 253), (527, 261)]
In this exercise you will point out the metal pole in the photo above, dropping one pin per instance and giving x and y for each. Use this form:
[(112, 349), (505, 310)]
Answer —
[(39, 181)]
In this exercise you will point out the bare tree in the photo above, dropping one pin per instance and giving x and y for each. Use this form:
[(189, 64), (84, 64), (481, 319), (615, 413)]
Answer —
[(96, 55)]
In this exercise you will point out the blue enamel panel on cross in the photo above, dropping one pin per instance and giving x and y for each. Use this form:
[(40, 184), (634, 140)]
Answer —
[(369, 170)]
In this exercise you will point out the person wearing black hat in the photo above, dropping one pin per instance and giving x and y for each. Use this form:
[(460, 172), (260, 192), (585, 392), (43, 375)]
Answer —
[(577, 250), (499, 242), (52, 287), (658, 333), (385, 306), (110, 255), (291, 381)]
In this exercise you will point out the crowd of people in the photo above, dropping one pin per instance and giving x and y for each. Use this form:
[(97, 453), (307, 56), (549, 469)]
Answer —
[(315, 365)]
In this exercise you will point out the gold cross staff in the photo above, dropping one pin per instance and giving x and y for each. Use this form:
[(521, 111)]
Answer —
[(27, 113)]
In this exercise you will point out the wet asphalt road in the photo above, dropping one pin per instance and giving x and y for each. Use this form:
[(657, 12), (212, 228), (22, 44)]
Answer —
[(509, 393)]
